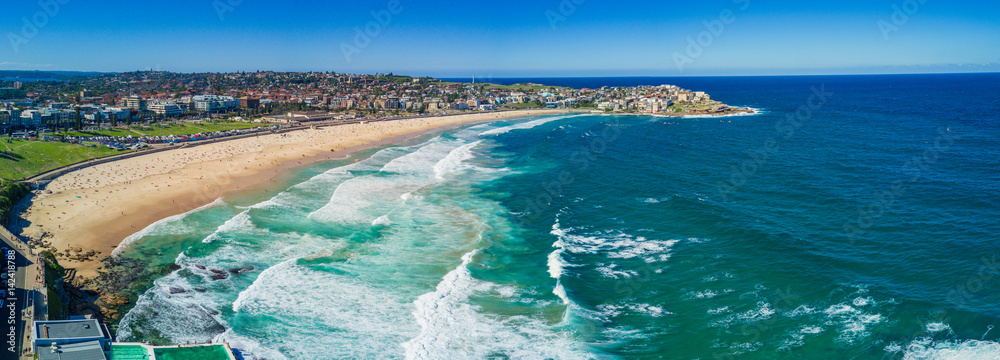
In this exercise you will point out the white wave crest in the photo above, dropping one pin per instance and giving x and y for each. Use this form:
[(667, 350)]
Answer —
[(927, 349), (160, 226), (454, 161)]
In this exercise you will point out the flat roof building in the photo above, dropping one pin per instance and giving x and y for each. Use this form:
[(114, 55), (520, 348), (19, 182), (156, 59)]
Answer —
[(90, 350), (70, 335)]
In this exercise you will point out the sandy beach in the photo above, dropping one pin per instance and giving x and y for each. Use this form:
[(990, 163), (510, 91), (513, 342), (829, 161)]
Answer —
[(97, 207)]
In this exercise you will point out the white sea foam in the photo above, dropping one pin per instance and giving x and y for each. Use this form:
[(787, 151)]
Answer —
[(177, 309), (606, 312), (811, 330), (937, 327), (618, 245), (454, 161), (556, 264), (861, 301), (854, 323), (800, 311), (928, 349), (436, 313), (525, 125), (164, 225), (381, 221), (720, 310), (707, 294), (237, 224), (763, 311), (452, 328), (316, 304), (398, 177), (611, 271)]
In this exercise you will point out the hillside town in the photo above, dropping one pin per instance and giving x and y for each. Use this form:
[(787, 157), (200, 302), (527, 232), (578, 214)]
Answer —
[(109, 100)]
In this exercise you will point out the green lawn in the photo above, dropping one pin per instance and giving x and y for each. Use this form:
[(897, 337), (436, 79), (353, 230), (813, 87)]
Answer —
[(223, 126), (189, 128), (24, 158), (165, 129), (521, 105), (102, 132)]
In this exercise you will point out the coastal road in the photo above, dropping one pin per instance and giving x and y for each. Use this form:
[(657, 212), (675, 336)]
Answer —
[(14, 299)]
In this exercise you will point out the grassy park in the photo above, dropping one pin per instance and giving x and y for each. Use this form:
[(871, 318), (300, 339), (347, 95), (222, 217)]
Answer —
[(168, 129), (24, 158)]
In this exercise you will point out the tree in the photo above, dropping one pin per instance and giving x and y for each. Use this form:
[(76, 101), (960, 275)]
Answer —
[(78, 122)]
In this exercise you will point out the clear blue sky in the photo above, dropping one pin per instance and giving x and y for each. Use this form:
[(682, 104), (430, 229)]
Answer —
[(505, 39)]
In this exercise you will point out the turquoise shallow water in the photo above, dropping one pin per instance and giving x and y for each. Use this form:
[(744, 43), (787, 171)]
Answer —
[(864, 230)]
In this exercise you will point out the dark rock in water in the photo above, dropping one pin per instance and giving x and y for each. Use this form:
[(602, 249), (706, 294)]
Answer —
[(202, 267), (177, 290), (174, 267), (219, 274), (201, 290), (240, 270)]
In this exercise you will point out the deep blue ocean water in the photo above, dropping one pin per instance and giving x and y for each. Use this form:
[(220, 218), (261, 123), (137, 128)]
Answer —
[(855, 217)]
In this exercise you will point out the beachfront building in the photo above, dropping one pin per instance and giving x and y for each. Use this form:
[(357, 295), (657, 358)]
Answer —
[(59, 117), (249, 103), (71, 339), (32, 118), (120, 114), (387, 103), (10, 118), (168, 108), (135, 103), (212, 103)]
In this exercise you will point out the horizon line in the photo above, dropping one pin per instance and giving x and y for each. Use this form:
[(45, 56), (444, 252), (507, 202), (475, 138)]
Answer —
[(478, 76)]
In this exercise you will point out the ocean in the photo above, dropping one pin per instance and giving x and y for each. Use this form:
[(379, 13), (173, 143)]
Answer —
[(854, 217)]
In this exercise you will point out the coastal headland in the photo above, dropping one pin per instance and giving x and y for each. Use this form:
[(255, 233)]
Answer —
[(84, 215)]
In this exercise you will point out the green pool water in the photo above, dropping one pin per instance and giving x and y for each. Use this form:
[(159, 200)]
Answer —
[(216, 352), (128, 352), (134, 352)]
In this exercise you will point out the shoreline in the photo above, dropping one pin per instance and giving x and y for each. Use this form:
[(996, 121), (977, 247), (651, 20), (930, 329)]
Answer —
[(97, 208)]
